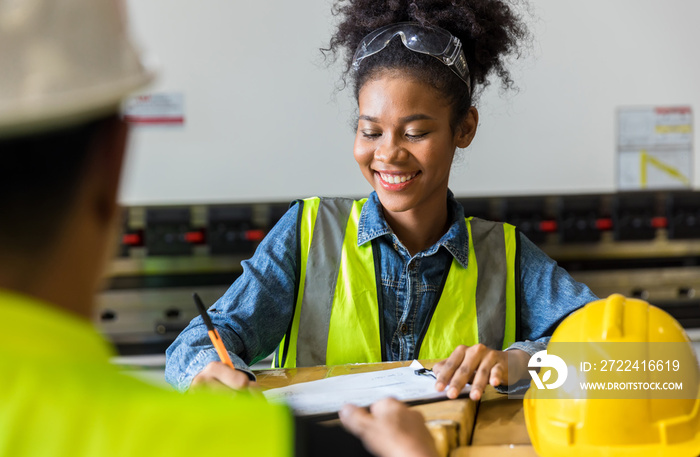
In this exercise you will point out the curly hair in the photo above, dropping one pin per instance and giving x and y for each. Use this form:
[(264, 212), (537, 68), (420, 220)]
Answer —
[(490, 32)]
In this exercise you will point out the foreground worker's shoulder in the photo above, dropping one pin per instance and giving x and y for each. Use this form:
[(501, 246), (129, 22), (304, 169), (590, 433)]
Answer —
[(87, 407), (205, 422)]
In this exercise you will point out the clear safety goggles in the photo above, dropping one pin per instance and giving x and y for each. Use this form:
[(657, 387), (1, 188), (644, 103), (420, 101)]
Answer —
[(434, 41)]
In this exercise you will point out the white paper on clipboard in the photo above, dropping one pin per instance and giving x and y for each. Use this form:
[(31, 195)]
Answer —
[(327, 396)]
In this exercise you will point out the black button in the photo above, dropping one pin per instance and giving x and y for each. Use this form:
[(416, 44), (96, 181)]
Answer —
[(404, 328), (108, 315), (172, 313)]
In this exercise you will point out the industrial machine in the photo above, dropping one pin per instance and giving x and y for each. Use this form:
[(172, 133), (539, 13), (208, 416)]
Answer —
[(641, 245)]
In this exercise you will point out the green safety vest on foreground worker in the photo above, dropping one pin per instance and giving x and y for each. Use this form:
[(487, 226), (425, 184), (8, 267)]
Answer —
[(338, 307), (60, 396)]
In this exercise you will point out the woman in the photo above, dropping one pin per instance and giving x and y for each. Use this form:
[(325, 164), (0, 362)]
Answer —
[(402, 274)]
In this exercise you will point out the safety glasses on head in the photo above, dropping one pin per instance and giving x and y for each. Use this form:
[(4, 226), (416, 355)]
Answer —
[(433, 41)]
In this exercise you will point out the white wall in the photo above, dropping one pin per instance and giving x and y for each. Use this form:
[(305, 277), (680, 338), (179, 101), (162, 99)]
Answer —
[(263, 123)]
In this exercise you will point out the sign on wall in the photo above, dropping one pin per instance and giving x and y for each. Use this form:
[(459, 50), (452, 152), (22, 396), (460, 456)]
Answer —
[(167, 108), (655, 147)]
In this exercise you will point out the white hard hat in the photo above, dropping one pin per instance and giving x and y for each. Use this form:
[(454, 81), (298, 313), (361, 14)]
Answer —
[(64, 62)]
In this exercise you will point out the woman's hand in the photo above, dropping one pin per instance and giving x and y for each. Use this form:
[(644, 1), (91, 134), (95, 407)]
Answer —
[(480, 366), (389, 429), (218, 375)]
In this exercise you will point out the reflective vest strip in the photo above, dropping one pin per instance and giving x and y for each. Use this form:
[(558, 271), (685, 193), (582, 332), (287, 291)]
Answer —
[(288, 358), (322, 266), (354, 333), (512, 291), (488, 240)]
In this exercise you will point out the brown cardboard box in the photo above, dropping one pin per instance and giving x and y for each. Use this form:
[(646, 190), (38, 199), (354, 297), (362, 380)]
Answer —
[(494, 451), (499, 420)]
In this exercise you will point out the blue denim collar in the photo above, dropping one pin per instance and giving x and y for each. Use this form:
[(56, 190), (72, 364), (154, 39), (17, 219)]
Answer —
[(456, 240)]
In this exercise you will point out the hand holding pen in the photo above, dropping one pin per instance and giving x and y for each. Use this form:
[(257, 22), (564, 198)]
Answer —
[(218, 374)]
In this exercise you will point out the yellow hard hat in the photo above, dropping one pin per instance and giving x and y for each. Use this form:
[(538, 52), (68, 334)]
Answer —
[(560, 425), (64, 62)]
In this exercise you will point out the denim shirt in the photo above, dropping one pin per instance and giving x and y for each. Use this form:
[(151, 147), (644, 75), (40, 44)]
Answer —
[(253, 315)]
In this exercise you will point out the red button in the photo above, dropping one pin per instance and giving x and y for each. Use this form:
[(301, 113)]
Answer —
[(194, 237), (131, 239), (659, 222), (254, 235), (604, 224), (548, 226)]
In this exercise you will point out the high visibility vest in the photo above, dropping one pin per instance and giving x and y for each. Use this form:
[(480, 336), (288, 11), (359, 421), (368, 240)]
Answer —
[(60, 396), (338, 312)]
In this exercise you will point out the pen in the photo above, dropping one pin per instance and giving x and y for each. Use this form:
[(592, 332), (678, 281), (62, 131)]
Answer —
[(213, 333)]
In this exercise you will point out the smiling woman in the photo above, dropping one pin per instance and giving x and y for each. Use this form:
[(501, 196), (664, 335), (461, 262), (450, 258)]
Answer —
[(405, 146), (404, 273)]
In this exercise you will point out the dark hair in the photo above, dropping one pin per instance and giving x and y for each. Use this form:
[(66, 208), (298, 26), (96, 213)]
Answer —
[(490, 31), (39, 178)]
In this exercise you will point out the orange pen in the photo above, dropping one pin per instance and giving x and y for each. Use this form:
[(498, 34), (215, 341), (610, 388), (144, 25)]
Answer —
[(213, 334)]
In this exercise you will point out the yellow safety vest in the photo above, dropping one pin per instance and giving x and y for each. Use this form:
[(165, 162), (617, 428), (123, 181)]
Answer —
[(338, 308), (60, 396)]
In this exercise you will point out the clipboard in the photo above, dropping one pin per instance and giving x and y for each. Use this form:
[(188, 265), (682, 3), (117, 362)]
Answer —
[(322, 399)]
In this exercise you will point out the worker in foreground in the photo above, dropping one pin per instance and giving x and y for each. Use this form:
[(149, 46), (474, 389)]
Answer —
[(66, 66)]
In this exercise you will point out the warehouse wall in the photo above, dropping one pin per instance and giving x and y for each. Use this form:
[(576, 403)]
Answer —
[(263, 122)]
